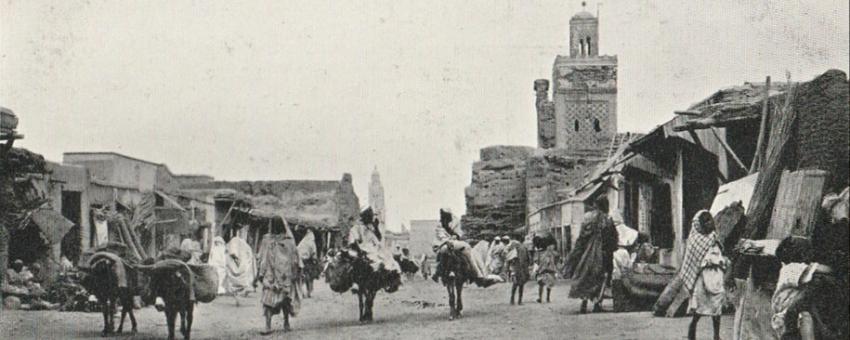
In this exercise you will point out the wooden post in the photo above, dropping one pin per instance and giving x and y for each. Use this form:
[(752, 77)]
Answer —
[(728, 149), (760, 143)]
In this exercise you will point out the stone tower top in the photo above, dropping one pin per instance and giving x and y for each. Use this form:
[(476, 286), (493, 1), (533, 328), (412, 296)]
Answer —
[(376, 177), (376, 199), (584, 93), (584, 34)]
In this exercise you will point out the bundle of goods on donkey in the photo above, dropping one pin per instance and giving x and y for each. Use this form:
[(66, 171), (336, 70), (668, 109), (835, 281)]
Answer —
[(353, 266), (205, 278)]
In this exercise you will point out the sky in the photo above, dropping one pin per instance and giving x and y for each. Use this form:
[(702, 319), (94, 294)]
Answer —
[(312, 89)]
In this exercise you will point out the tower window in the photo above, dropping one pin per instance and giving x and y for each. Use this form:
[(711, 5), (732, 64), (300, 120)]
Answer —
[(588, 45), (581, 42), (596, 126), (575, 125)]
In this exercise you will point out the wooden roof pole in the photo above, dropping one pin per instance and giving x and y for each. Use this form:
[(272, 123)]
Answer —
[(728, 148), (760, 143)]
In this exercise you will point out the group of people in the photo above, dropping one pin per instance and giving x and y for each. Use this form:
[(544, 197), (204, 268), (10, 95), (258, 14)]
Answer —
[(502, 259), (605, 251), (25, 281), (280, 267)]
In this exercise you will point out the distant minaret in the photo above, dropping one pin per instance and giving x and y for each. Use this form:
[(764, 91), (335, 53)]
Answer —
[(376, 199)]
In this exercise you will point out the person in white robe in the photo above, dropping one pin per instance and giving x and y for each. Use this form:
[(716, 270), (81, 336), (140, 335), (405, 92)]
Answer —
[(218, 260), (240, 266), (368, 238)]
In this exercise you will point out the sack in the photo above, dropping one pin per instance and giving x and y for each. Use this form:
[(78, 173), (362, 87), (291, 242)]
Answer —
[(174, 253), (712, 280), (338, 276), (205, 282)]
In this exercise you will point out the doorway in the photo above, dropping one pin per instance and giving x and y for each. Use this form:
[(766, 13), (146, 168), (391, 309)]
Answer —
[(661, 227), (71, 201)]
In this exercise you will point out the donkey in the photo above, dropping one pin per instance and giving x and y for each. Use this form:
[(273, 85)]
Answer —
[(172, 280), (112, 282), (352, 266), (454, 274)]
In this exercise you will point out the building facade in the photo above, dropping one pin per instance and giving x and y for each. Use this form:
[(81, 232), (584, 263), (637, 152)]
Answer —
[(421, 236)]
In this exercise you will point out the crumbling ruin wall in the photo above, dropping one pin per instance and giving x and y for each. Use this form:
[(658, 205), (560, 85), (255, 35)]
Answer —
[(546, 127), (551, 174), (348, 205), (495, 200)]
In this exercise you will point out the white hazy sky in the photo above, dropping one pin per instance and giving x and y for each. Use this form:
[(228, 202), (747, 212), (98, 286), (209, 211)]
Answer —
[(312, 89)]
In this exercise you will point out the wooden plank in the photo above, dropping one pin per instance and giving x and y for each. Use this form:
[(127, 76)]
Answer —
[(797, 203), (757, 158), (688, 113), (770, 172), (705, 123), (728, 149)]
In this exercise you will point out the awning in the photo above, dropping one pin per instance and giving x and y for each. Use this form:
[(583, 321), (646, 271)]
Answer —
[(170, 200), (52, 224), (648, 165), (585, 194)]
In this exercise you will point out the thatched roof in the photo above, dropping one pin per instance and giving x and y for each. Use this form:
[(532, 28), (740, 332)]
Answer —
[(310, 203), (309, 210), (730, 105)]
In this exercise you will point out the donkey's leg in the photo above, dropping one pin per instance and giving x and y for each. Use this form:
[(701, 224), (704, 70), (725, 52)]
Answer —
[(360, 303), (182, 313), (105, 310), (112, 311), (459, 302), (170, 316), (190, 312), (126, 308), (123, 314), (450, 288), (129, 307), (370, 301)]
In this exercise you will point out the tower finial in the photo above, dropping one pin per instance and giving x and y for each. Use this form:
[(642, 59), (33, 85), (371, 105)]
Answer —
[(583, 4)]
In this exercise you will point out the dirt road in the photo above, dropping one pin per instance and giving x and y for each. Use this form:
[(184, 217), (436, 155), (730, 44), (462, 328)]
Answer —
[(416, 311)]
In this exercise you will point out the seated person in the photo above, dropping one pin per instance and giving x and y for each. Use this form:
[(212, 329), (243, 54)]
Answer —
[(823, 308), (645, 252), (14, 278), (795, 253), (447, 239)]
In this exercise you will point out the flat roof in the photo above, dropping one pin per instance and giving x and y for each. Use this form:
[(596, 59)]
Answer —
[(112, 153)]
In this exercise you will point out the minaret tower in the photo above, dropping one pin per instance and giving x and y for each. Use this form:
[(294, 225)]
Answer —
[(376, 199), (584, 90)]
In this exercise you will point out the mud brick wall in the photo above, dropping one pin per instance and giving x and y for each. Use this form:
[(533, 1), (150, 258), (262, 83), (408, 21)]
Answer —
[(823, 115), (546, 126), (495, 200), (551, 174)]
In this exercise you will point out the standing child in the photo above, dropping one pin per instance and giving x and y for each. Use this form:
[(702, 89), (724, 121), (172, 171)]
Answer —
[(425, 266), (546, 267), (708, 293)]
